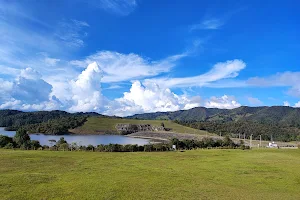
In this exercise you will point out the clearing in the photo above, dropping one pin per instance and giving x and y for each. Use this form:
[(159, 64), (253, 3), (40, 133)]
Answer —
[(100, 125)]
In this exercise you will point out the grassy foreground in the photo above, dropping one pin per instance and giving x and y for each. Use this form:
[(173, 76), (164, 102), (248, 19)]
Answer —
[(100, 125), (198, 174)]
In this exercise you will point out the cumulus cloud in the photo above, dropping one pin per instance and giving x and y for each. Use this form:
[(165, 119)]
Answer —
[(286, 103), (297, 105), (30, 88), (221, 70), (149, 98), (86, 90), (224, 102), (5, 86), (123, 67), (28, 92), (19, 105)]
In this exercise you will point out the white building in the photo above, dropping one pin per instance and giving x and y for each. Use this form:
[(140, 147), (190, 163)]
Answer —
[(272, 145)]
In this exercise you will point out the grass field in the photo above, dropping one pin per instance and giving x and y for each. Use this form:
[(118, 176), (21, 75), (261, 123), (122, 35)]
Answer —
[(197, 174), (95, 124)]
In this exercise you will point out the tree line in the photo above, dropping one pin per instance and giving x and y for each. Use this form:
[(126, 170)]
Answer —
[(22, 141), (241, 128), (47, 122), (53, 127)]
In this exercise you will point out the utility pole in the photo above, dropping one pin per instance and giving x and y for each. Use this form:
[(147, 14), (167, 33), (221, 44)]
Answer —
[(271, 138), (259, 140), (251, 141), (239, 136)]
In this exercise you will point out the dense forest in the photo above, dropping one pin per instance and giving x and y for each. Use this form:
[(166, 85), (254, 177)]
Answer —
[(277, 122), (241, 129), (47, 122)]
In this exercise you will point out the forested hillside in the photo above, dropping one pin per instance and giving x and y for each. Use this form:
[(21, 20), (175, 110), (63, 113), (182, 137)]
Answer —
[(277, 122), (48, 122), (281, 115)]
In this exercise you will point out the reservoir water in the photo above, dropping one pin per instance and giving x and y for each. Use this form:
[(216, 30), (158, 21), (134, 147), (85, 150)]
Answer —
[(82, 139)]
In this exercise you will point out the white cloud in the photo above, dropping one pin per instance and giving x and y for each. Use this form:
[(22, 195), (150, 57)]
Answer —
[(5, 89), (210, 24), (119, 7), (19, 105), (255, 101), (119, 67), (224, 102), (9, 70), (149, 98), (86, 90), (285, 79), (286, 103), (72, 32), (297, 105), (30, 88), (30, 92), (221, 70), (51, 61), (11, 104)]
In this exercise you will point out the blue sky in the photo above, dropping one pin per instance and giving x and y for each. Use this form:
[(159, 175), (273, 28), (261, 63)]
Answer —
[(121, 57)]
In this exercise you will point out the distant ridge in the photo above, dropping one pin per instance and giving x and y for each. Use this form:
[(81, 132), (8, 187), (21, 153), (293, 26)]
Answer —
[(270, 115)]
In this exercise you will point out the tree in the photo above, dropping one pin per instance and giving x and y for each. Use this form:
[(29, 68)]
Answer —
[(228, 142), (4, 140), (52, 142), (61, 141), (64, 146), (9, 146), (35, 144), (90, 147), (22, 138)]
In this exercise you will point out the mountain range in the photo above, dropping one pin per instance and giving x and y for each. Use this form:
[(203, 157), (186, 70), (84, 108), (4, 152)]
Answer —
[(282, 115)]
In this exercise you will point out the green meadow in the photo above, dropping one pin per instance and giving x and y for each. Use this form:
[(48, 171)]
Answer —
[(94, 124), (195, 174)]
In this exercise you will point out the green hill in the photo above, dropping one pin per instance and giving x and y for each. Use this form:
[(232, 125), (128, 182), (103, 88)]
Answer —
[(102, 125), (281, 115), (276, 122)]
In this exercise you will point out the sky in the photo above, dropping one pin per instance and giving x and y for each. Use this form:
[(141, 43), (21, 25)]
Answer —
[(123, 57)]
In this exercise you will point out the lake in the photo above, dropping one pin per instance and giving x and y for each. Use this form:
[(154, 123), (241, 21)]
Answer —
[(82, 139)]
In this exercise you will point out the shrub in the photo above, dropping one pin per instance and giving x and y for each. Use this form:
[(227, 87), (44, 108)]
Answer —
[(22, 138), (90, 147), (9, 146), (64, 147), (4, 140)]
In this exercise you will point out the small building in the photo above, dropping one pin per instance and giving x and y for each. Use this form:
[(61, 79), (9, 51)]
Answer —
[(272, 145)]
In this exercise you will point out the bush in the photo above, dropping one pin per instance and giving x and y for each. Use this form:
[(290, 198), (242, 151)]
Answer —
[(90, 147), (64, 147), (9, 146), (22, 138), (4, 140)]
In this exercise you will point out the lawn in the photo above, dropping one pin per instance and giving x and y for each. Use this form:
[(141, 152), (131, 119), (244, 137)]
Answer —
[(94, 124), (197, 174)]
